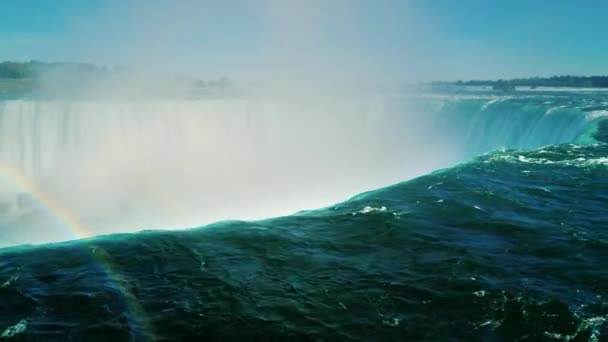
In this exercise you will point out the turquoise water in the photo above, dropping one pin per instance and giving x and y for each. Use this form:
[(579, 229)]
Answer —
[(509, 244)]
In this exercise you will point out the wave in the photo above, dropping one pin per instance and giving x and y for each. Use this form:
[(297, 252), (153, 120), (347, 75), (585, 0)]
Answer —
[(500, 247)]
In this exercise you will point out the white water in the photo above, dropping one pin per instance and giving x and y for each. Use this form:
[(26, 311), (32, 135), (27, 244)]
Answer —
[(121, 166)]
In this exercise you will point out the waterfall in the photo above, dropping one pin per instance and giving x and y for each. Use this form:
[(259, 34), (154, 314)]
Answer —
[(124, 166)]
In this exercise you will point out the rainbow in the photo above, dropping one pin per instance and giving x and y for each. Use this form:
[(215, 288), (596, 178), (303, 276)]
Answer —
[(80, 231)]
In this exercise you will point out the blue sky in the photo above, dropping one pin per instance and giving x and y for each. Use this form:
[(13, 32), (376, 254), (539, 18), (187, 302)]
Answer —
[(397, 40)]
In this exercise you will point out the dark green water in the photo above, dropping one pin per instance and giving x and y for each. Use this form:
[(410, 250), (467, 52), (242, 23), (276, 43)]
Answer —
[(512, 245)]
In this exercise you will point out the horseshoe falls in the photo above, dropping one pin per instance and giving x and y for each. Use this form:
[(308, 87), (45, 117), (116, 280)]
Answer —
[(467, 215), (132, 165)]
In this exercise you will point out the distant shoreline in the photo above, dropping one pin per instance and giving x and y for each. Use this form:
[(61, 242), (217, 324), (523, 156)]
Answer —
[(533, 82), (39, 79), (18, 79)]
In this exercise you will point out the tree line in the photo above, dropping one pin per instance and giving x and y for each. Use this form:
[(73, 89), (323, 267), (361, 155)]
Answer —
[(21, 70), (554, 81)]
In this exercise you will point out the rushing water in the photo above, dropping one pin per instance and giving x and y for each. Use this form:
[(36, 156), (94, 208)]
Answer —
[(509, 244), (124, 166)]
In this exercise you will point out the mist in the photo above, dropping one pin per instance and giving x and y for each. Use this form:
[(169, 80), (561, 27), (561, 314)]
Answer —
[(142, 145)]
